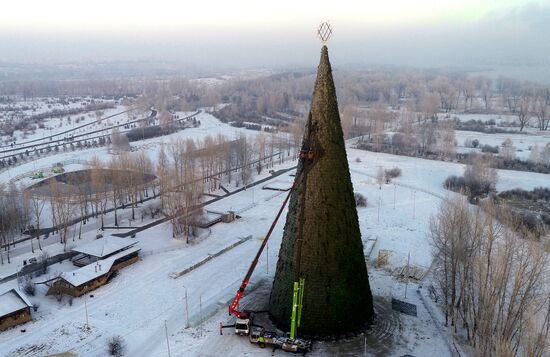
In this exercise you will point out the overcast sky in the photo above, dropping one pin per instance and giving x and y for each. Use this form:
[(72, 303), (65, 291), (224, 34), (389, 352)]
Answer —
[(277, 33)]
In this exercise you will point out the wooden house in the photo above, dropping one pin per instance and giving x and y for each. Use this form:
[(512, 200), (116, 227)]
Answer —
[(89, 277), (100, 249), (15, 309)]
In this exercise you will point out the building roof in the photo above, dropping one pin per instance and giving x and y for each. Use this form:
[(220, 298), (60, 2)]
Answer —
[(95, 270), (13, 300), (103, 247)]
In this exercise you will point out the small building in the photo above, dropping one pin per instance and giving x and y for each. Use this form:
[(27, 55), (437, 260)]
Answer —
[(89, 277), (15, 309), (100, 249), (211, 218), (228, 217)]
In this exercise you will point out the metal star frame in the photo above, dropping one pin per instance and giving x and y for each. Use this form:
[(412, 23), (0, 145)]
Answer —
[(324, 32)]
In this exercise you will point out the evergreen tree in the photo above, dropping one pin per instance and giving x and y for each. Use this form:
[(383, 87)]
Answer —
[(337, 296)]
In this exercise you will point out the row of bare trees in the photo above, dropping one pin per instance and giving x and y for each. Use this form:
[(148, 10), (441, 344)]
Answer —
[(14, 217), (526, 101), (493, 280), (277, 99), (187, 168), (413, 134), (126, 179), (22, 211), (184, 170)]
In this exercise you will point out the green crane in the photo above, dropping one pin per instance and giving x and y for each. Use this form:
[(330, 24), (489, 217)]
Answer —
[(297, 300)]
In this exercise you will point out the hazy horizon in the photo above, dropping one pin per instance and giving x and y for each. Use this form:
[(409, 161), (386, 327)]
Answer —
[(243, 34)]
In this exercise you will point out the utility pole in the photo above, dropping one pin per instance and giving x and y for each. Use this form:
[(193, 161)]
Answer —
[(267, 258), (18, 282), (414, 203), (379, 199), (200, 312), (86, 309), (167, 341), (394, 194), (186, 310), (407, 276)]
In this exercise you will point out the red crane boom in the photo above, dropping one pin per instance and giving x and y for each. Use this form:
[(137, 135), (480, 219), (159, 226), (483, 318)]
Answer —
[(306, 155), (233, 307)]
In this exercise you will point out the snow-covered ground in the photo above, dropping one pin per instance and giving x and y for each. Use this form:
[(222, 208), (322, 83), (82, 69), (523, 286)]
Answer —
[(522, 142), (55, 125), (210, 126), (144, 300), (138, 301)]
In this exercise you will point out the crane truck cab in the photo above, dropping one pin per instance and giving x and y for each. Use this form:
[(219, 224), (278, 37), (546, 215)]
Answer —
[(242, 327)]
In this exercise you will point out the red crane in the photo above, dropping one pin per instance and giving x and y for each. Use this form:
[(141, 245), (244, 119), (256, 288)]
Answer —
[(233, 307), (305, 155)]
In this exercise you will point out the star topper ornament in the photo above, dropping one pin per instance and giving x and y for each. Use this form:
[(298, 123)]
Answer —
[(324, 32)]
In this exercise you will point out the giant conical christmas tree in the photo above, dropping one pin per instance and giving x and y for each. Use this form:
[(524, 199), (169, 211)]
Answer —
[(321, 240)]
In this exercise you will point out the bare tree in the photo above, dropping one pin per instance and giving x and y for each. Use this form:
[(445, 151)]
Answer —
[(448, 95), (480, 176), (534, 155), (244, 158), (144, 166), (467, 87), (545, 154), (380, 176), (98, 115), (485, 86), (541, 107), (36, 205), (13, 218), (510, 92), (379, 117), (163, 174), (404, 141), (492, 280), (98, 178), (349, 120), (119, 141), (63, 210), (523, 110), (508, 151), (165, 118), (118, 188), (297, 133), (445, 140)]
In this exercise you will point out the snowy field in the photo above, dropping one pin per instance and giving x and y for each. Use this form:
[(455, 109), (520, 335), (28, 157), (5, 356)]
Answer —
[(136, 303), (210, 126), (144, 301), (56, 124), (522, 142)]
